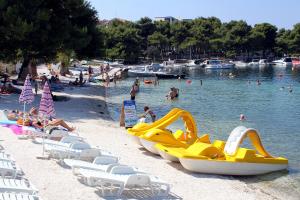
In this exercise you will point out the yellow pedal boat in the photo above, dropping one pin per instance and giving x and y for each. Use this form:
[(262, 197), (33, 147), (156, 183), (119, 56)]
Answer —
[(225, 158), (148, 135)]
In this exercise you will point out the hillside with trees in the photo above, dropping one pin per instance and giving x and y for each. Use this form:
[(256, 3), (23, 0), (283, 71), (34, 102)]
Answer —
[(201, 37)]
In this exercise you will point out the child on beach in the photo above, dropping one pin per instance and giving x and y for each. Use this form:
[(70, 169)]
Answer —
[(148, 112)]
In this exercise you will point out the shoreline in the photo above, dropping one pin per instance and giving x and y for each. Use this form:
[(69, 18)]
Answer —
[(84, 111)]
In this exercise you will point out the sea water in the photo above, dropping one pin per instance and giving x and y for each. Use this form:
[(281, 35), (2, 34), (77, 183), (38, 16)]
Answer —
[(273, 108)]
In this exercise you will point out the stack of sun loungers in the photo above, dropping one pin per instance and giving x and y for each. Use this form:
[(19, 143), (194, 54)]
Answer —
[(13, 186), (101, 169)]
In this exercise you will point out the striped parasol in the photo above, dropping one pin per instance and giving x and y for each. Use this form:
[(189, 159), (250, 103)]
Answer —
[(26, 96), (46, 105)]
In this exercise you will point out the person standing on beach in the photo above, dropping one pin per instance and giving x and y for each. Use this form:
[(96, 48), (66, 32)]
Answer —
[(35, 84), (150, 113), (90, 71), (107, 79), (80, 77), (115, 79)]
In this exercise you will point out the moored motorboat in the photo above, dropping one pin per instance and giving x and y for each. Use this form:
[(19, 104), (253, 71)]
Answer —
[(240, 64), (154, 70), (217, 64), (283, 62)]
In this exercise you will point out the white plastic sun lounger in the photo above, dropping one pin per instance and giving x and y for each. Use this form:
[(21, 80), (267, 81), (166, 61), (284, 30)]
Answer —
[(33, 133), (9, 169), (100, 163), (17, 186), (77, 150), (6, 157), (64, 141), (18, 196), (124, 177)]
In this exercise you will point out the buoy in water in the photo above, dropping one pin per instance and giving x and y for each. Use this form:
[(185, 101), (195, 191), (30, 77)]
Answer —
[(189, 81)]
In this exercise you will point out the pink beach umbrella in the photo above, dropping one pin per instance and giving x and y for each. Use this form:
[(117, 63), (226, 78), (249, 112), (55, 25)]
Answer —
[(26, 96), (46, 108), (46, 105)]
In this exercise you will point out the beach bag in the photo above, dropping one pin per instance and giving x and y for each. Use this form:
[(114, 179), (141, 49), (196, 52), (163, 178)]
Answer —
[(26, 122)]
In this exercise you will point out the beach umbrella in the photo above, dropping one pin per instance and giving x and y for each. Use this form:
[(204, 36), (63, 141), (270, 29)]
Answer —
[(46, 108), (26, 96)]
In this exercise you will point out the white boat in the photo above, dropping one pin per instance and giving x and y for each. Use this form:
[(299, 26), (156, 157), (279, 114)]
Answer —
[(149, 145), (154, 70), (194, 64), (144, 71), (229, 168), (240, 64), (254, 63), (217, 64), (284, 62), (263, 62)]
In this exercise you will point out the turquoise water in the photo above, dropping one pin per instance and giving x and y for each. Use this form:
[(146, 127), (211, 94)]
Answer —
[(217, 104)]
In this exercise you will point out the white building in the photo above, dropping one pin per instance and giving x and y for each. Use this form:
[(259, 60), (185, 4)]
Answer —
[(169, 19)]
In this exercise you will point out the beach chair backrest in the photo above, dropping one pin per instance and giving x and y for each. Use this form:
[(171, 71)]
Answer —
[(90, 153), (138, 180), (105, 160), (122, 169), (110, 166), (70, 139), (80, 145)]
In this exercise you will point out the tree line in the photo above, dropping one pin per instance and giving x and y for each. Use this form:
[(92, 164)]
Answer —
[(201, 37), (34, 31)]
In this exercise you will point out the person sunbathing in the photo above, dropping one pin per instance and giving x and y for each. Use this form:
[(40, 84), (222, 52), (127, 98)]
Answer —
[(13, 115), (51, 123), (16, 115)]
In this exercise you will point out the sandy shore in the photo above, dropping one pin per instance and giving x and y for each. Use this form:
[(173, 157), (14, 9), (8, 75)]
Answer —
[(87, 111)]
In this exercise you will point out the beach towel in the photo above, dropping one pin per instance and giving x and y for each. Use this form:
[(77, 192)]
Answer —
[(20, 130), (16, 129)]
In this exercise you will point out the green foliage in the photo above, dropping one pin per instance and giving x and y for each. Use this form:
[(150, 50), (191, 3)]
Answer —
[(35, 29), (122, 41), (201, 36)]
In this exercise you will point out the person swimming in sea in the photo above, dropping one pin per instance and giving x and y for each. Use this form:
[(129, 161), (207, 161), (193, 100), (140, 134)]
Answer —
[(173, 93)]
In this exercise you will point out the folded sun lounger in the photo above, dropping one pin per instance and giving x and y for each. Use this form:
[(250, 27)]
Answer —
[(18, 196), (100, 163), (124, 177), (64, 141), (9, 169), (6, 157), (77, 150), (17, 186)]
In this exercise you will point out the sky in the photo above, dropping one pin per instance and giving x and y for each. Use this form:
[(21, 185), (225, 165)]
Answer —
[(282, 13)]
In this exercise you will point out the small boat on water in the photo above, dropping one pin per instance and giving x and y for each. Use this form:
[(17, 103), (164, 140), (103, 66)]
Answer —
[(149, 81), (255, 63), (217, 64), (194, 64), (227, 158), (295, 61), (199, 154), (154, 70), (240, 64), (283, 62)]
